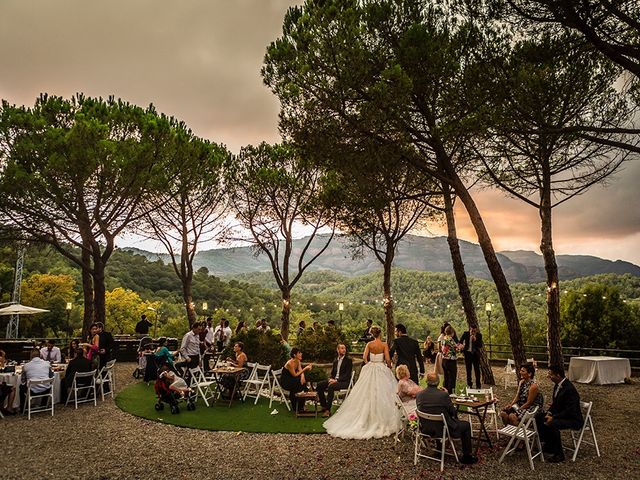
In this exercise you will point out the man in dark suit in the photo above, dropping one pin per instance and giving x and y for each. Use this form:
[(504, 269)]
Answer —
[(564, 413), (408, 351), (434, 401), (472, 340), (339, 380)]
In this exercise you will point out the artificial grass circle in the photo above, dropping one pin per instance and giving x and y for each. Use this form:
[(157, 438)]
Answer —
[(139, 399)]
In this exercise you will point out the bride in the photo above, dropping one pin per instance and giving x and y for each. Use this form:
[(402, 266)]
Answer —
[(370, 410)]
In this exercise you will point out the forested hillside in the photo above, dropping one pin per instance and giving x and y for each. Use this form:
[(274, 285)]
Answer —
[(423, 300)]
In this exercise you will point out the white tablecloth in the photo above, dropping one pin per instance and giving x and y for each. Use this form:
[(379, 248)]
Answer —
[(599, 370), (14, 379)]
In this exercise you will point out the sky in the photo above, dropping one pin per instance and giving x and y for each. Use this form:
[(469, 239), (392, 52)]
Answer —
[(199, 60)]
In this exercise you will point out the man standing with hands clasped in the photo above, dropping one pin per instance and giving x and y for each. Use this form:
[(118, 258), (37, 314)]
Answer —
[(408, 351), (339, 380), (472, 340)]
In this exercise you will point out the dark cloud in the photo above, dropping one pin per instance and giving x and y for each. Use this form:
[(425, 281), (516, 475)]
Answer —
[(199, 60)]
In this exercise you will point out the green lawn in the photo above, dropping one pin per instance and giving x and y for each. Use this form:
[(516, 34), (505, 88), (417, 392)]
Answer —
[(139, 399)]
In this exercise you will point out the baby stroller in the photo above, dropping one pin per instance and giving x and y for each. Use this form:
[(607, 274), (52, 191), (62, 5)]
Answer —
[(173, 399), (144, 350)]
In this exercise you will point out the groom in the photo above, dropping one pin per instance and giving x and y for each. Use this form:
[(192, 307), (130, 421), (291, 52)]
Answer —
[(408, 351), (339, 380)]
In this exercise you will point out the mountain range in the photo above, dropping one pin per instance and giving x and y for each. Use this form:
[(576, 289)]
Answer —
[(414, 253)]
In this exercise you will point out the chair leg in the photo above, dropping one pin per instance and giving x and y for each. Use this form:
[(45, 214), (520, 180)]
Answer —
[(593, 435)]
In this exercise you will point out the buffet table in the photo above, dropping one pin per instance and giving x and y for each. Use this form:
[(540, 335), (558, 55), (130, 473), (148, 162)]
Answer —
[(599, 370)]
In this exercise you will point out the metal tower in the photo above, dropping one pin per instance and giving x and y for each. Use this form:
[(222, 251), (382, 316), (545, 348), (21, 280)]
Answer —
[(14, 320)]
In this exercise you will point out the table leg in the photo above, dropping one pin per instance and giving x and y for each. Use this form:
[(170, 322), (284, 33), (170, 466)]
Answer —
[(233, 391), (482, 430)]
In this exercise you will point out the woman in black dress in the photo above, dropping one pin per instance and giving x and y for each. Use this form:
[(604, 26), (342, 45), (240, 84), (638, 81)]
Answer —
[(293, 378)]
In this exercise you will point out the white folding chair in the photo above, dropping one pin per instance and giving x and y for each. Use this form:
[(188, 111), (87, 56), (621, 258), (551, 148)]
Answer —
[(276, 388), (201, 386), (491, 410), (510, 376), (78, 385), (106, 376), (46, 383), (405, 415), (533, 362), (419, 443), (251, 367), (577, 436), (258, 380), (526, 432), (341, 395)]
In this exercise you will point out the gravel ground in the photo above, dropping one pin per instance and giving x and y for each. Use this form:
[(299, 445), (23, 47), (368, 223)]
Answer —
[(106, 443)]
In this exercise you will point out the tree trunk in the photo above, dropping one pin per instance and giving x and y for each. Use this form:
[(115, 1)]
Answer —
[(551, 268), (286, 311), (187, 297), (463, 284), (99, 291), (497, 274), (387, 298), (87, 293)]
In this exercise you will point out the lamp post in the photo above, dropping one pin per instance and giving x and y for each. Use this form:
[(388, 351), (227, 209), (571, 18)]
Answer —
[(487, 308), (68, 307), (155, 324)]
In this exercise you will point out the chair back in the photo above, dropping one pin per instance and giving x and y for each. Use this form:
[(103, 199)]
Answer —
[(44, 382), (438, 418)]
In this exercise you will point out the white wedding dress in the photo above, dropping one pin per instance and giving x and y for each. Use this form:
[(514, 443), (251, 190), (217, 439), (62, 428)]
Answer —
[(370, 410)]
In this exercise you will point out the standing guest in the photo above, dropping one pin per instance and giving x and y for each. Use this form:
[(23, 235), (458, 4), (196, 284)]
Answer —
[(242, 327), (78, 363), (301, 327), (51, 353), (472, 343), (93, 345), (338, 380), (527, 398), (228, 381), (293, 379), (408, 351), (264, 327), (449, 359), (142, 327), (563, 413), (315, 326), (407, 389), (429, 350), (35, 369), (434, 401), (106, 344), (190, 349), (366, 335), (208, 334), (285, 345), (331, 324), (227, 334), (219, 336), (71, 349)]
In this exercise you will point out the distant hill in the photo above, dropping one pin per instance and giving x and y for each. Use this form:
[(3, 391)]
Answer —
[(414, 253)]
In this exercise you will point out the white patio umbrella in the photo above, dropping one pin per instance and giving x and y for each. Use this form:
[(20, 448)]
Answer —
[(18, 309)]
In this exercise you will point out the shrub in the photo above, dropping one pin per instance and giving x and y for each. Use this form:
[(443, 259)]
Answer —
[(263, 348), (316, 374), (320, 345)]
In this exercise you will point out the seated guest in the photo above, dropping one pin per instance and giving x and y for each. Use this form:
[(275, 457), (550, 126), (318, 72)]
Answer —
[(293, 378), (407, 388), (564, 413), (162, 355), (35, 369), (71, 349), (229, 380), (338, 380), (3, 359), (78, 363), (527, 398), (366, 335), (7, 397), (51, 353), (434, 401)]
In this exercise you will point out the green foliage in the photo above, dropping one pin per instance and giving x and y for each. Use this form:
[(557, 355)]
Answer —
[(320, 345), (596, 316), (316, 374), (263, 348)]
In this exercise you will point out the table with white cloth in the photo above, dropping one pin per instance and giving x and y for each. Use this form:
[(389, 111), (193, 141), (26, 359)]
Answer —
[(599, 370), (14, 379)]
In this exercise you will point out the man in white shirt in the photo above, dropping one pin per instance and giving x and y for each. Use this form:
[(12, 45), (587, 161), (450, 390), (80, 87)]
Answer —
[(227, 333), (190, 349), (263, 327), (51, 353), (36, 369)]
